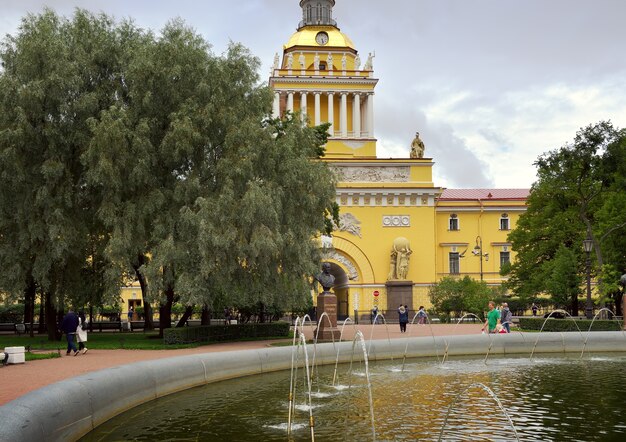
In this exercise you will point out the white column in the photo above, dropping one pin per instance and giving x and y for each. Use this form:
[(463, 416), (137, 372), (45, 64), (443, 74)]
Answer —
[(276, 105), (356, 116), (370, 115), (343, 115), (318, 111), (303, 105), (290, 101), (331, 114)]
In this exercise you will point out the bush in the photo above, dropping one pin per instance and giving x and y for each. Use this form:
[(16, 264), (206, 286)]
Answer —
[(217, 333), (559, 325), (12, 313)]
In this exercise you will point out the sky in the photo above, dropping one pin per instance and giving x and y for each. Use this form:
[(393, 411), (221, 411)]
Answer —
[(489, 84)]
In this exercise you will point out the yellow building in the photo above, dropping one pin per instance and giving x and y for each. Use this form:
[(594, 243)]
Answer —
[(398, 232)]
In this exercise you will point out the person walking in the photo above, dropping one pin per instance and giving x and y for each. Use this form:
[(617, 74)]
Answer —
[(81, 332), (374, 315), (69, 326), (506, 317), (493, 318), (534, 308), (131, 311), (421, 315), (403, 317)]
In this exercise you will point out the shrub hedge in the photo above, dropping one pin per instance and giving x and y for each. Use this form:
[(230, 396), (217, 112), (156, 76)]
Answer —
[(558, 325), (216, 333)]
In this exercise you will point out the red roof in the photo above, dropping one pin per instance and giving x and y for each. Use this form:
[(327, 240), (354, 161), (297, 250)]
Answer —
[(484, 194)]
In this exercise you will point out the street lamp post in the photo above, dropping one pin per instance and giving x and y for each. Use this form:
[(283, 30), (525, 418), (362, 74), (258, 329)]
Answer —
[(478, 251), (588, 247)]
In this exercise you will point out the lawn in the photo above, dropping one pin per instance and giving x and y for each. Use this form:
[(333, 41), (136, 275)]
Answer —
[(103, 341), (109, 341)]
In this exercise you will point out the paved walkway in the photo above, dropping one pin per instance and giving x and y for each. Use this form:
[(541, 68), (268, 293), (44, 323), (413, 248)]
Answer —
[(17, 380)]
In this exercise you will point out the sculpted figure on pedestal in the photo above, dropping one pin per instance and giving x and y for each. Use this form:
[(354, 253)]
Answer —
[(417, 147), (399, 263), (301, 60), (316, 61), (325, 278), (357, 63), (289, 61)]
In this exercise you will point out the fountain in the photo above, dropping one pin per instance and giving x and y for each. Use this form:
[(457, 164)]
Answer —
[(491, 394), (445, 354), (415, 403), (406, 347), (544, 324), (379, 315), (591, 326)]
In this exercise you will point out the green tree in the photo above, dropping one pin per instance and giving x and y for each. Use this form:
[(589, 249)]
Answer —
[(578, 194), (564, 279), (252, 239), (459, 296), (57, 74)]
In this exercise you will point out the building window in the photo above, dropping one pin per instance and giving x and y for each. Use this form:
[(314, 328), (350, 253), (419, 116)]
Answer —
[(505, 258), (504, 222), (453, 222), (454, 263), (322, 66)]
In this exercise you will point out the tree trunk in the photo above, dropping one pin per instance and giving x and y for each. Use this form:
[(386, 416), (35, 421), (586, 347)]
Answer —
[(165, 314), (30, 294), (165, 310), (574, 305), (42, 315), (262, 312), (205, 318), (90, 318), (618, 304), (148, 323), (51, 318), (185, 317)]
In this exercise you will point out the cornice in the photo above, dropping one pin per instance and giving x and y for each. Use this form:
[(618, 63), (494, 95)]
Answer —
[(319, 80)]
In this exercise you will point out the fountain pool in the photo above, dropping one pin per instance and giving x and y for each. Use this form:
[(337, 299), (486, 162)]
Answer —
[(549, 398)]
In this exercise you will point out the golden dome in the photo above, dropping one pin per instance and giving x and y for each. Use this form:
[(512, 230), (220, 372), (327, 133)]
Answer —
[(306, 37)]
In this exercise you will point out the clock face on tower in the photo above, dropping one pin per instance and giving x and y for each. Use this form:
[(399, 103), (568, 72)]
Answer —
[(321, 38)]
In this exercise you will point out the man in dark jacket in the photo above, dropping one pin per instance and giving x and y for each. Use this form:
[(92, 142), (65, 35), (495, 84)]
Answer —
[(68, 326)]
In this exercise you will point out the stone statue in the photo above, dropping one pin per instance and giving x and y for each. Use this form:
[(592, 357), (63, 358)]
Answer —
[(276, 60), (301, 60), (417, 147), (325, 278), (344, 62), (316, 62), (357, 63), (369, 63), (289, 60), (399, 265), (329, 60)]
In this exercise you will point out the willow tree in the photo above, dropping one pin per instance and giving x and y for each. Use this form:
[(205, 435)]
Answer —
[(251, 238), (56, 75)]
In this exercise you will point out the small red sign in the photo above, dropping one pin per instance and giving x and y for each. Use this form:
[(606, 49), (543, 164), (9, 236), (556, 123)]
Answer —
[(376, 293)]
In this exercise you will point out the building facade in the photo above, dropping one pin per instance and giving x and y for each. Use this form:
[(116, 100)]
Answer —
[(398, 232)]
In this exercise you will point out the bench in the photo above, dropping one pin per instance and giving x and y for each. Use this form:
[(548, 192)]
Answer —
[(108, 325), (7, 327)]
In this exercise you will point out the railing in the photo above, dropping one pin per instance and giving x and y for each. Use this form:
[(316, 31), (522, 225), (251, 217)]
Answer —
[(351, 134)]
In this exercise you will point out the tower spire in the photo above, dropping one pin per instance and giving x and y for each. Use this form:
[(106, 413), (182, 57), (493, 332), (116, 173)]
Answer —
[(317, 13)]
